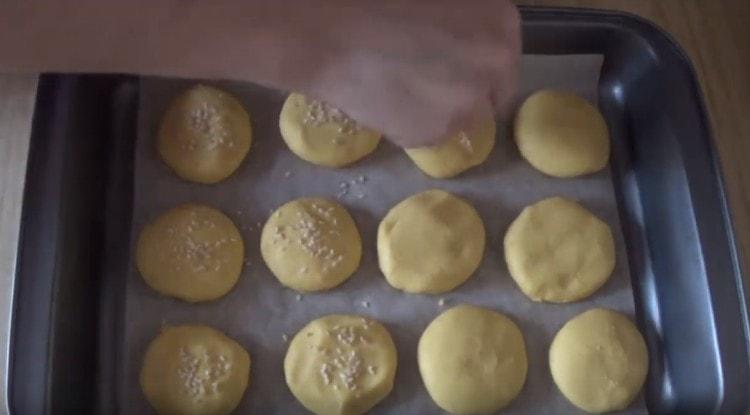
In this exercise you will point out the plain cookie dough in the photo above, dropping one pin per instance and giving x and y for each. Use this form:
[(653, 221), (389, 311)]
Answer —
[(557, 251), (204, 135), (311, 244), (194, 370), (459, 153), (561, 134), (431, 242), (472, 360), (323, 135), (192, 252), (341, 365), (599, 361)]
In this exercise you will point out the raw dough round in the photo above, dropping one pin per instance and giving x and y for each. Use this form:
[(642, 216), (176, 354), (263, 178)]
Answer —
[(192, 252), (341, 365), (323, 135), (459, 153), (204, 135), (561, 134), (472, 360), (311, 244), (557, 251), (194, 370), (599, 361), (430, 243)]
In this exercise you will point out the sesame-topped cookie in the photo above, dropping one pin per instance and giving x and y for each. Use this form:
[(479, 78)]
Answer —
[(204, 135), (341, 365), (194, 370), (191, 252), (311, 244), (323, 135), (458, 153)]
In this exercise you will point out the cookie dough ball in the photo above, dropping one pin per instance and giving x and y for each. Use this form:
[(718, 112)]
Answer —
[(561, 134), (204, 135), (472, 360), (311, 244), (430, 243), (459, 153), (194, 370), (557, 251), (341, 365), (323, 135), (599, 361), (192, 252)]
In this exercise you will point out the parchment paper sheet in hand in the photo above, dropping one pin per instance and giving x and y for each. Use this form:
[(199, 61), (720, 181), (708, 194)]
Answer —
[(259, 313)]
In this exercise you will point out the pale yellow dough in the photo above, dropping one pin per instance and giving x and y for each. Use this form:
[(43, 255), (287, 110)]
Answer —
[(430, 243), (599, 361), (459, 153), (311, 244), (192, 252), (323, 135), (472, 360), (194, 370), (341, 365), (204, 135), (561, 134), (557, 251)]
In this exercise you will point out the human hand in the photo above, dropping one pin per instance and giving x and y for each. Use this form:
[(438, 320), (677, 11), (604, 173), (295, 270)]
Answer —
[(417, 70), (420, 70)]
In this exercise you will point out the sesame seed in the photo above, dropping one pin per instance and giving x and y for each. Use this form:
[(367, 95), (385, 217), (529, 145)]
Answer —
[(325, 372), (464, 140), (441, 302), (284, 337), (298, 297)]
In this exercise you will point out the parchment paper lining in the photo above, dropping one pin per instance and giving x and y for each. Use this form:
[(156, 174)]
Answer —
[(258, 312)]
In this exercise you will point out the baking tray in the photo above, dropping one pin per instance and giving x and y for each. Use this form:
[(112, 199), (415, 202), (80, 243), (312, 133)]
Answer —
[(690, 297)]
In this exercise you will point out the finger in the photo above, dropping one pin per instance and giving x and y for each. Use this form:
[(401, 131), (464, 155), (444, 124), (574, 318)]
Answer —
[(504, 86)]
